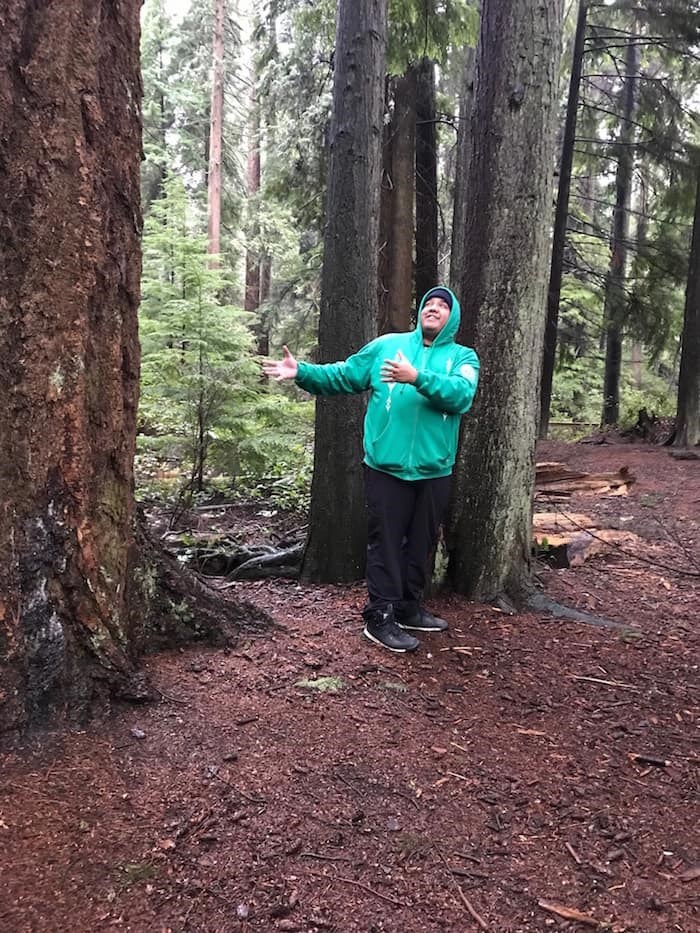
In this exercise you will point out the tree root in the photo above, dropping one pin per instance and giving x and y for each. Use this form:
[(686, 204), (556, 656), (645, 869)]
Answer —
[(541, 603), (175, 606)]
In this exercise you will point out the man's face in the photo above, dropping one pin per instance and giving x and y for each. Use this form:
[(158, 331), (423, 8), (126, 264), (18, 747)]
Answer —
[(433, 317)]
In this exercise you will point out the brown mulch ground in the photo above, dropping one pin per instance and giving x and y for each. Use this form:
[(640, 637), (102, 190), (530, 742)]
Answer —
[(458, 789)]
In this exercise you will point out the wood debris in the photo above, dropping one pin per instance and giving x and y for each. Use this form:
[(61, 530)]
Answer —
[(555, 480), (565, 540), (649, 760), (569, 913)]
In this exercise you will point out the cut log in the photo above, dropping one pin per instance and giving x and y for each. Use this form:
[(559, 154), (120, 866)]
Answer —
[(558, 481), (571, 549), (558, 522)]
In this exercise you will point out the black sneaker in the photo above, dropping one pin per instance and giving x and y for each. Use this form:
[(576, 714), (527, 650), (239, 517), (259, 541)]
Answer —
[(381, 628), (417, 619)]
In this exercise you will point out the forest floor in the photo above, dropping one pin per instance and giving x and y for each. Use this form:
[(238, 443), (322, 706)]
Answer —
[(516, 769)]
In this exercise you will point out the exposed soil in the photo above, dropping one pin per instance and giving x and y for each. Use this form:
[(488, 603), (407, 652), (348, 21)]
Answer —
[(457, 789)]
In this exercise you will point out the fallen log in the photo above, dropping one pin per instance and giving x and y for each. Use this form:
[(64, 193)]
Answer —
[(282, 563), (557, 481)]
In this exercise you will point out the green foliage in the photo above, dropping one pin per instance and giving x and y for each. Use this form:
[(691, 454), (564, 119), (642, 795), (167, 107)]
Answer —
[(197, 367), (202, 401), (428, 29)]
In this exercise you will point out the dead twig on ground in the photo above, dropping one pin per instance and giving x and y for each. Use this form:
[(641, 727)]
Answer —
[(649, 760), (572, 852), (365, 887), (170, 698), (324, 858), (462, 896), (569, 913), (605, 683), (472, 913)]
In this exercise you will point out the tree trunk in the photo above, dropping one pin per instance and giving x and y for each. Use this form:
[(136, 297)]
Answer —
[(688, 410), (385, 200), (69, 195), (337, 531), (464, 138), (615, 301), (216, 131), (403, 159), (251, 301), (560, 219), (502, 289), (263, 316), (426, 180)]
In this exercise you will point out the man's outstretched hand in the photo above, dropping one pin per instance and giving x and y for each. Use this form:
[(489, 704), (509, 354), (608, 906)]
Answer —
[(286, 368)]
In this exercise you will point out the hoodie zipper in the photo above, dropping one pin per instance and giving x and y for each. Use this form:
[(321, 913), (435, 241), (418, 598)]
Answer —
[(421, 360)]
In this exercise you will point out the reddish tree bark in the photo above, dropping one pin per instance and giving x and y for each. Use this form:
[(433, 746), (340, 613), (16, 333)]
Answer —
[(615, 298), (216, 130), (252, 256), (426, 180), (70, 98), (401, 237), (688, 409), (561, 215)]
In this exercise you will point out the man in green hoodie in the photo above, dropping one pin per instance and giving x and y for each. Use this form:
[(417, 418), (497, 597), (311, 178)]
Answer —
[(420, 384)]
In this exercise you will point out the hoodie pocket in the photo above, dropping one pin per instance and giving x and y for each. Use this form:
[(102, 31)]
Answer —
[(390, 449), (433, 450)]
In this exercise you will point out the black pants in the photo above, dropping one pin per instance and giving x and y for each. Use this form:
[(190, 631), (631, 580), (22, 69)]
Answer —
[(403, 521)]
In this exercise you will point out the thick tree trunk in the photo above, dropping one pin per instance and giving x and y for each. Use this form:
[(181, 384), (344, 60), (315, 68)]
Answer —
[(403, 160), (216, 130), (615, 301), (464, 138), (502, 290), (336, 545), (69, 197), (688, 410), (426, 180), (561, 216)]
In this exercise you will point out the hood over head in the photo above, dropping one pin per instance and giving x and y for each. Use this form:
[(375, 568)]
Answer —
[(449, 331)]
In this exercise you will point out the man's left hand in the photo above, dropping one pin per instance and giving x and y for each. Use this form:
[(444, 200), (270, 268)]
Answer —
[(398, 370)]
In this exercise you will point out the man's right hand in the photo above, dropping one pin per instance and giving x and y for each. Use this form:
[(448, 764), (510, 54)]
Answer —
[(285, 368)]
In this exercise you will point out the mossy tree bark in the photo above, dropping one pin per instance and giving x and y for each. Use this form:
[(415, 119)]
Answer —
[(502, 288), (337, 531)]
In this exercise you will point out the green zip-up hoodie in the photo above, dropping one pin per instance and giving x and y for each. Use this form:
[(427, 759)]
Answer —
[(411, 431)]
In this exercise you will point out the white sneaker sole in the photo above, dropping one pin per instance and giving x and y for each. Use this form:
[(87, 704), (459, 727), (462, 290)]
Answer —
[(386, 647)]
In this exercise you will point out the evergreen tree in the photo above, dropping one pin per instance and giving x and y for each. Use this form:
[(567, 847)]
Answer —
[(337, 534), (502, 289), (198, 373)]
